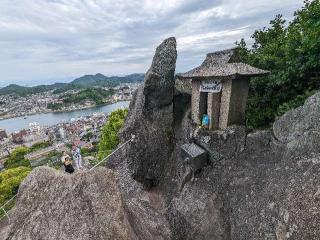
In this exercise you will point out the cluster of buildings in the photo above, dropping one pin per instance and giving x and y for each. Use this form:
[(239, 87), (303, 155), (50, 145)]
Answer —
[(124, 92), (83, 131), (14, 106)]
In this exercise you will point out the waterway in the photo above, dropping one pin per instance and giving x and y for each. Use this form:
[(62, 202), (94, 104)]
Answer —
[(47, 119)]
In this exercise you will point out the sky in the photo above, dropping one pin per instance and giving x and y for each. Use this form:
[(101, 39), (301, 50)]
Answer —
[(46, 41)]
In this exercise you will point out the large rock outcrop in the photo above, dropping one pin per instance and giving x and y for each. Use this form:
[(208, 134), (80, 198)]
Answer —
[(257, 185), (54, 205), (261, 185), (150, 118)]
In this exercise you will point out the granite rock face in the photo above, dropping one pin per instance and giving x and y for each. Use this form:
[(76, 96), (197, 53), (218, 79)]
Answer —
[(296, 123), (145, 209), (261, 185), (150, 118), (299, 129), (258, 185), (86, 205)]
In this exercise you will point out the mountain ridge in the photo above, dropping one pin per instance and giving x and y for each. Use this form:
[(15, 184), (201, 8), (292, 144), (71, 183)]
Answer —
[(97, 80)]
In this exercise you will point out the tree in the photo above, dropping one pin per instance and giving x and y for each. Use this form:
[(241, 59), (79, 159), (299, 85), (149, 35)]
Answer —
[(87, 136), (291, 52), (55, 106), (94, 94), (17, 158), (38, 146), (109, 137), (10, 181)]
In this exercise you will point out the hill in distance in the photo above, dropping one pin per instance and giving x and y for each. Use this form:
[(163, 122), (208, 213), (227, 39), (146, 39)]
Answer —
[(24, 91), (97, 80), (101, 80)]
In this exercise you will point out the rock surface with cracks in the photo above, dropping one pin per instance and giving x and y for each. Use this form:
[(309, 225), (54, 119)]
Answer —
[(150, 118), (53, 205)]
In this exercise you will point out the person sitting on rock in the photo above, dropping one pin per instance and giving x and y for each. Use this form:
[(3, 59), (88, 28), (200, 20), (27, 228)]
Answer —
[(64, 156), (68, 165)]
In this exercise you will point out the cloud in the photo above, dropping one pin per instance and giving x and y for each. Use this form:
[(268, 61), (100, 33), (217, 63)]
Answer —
[(59, 39)]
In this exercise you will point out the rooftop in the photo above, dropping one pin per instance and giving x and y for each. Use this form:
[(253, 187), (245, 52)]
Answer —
[(224, 63)]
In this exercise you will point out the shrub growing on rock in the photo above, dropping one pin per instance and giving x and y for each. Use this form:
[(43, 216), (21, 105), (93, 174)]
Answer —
[(17, 158), (9, 183), (109, 137)]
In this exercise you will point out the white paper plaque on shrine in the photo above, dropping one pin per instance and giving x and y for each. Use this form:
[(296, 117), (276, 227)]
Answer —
[(213, 86)]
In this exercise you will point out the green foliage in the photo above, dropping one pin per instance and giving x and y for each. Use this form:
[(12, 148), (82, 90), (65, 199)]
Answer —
[(69, 145), (93, 152), (25, 91), (294, 103), (17, 159), (77, 84), (38, 146), (89, 152), (67, 87), (9, 183), (95, 94), (87, 136), (52, 159), (109, 137), (291, 53), (98, 80), (55, 106), (85, 151), (101, 80)]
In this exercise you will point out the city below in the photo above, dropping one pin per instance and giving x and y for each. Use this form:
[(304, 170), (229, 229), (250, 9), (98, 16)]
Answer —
[(73, 122), (12, 106)]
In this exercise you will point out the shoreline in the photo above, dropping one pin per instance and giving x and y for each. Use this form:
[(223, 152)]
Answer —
[(61, 111)]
